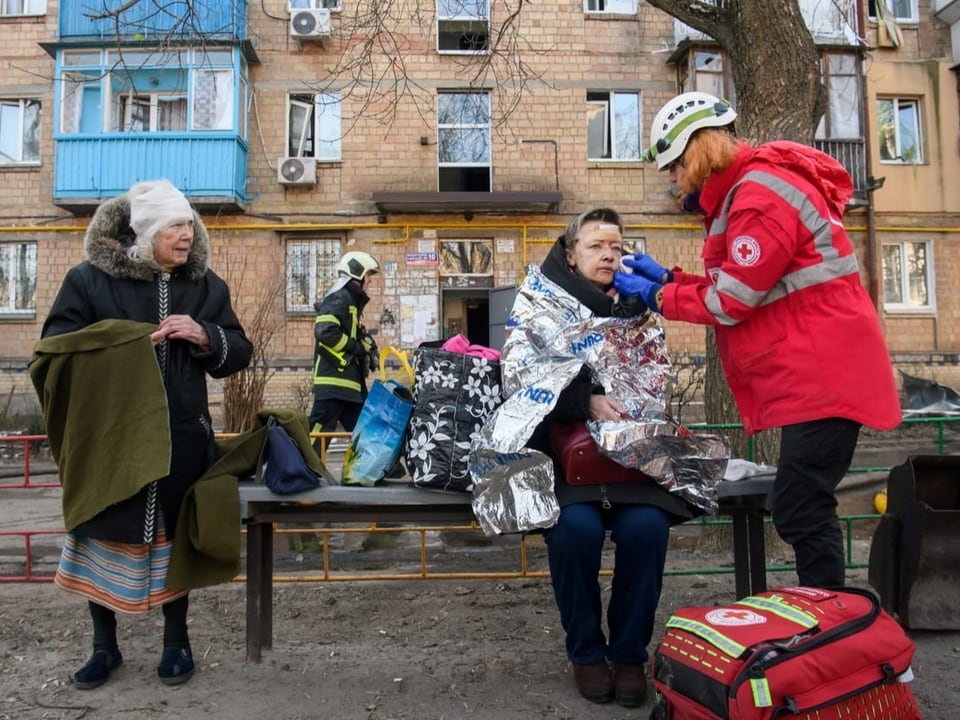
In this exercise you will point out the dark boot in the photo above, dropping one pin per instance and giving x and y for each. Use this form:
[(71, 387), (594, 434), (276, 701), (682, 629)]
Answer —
[(629, 683), (594, 681), (98, 668), (176, 665)]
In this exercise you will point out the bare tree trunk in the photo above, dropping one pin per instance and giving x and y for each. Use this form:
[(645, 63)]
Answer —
[(775, 67), (773, 59)]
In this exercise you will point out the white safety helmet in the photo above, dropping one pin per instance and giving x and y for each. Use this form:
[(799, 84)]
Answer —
[(357, 265), (679, 119)]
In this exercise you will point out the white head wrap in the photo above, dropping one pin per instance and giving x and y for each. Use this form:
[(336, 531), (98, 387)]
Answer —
[(154, 205)]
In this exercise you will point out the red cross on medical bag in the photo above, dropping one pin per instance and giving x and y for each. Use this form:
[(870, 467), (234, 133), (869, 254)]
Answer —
[(792, 652)]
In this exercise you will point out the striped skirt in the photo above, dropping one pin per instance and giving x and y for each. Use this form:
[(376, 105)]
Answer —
[(125, 577)]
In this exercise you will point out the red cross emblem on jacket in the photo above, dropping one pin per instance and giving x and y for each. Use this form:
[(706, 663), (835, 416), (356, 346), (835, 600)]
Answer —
[(745, 250)]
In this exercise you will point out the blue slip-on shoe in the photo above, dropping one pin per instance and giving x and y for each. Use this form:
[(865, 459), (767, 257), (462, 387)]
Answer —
[(176, 665), (97, 670)]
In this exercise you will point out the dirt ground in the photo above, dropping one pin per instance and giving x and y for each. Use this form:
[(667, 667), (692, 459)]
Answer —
[(371, 650), (445, 649)]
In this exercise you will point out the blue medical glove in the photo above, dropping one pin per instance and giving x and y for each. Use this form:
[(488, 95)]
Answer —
[(648, 267), (630, 284)]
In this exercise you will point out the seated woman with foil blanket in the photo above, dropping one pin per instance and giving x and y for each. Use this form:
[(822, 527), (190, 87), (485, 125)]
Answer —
[(576, 352)]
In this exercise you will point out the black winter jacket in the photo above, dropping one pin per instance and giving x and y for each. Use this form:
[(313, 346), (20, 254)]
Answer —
[(112, 284), (339, 356)]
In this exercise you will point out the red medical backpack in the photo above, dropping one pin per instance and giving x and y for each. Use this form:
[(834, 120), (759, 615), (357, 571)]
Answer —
[(793, 652)]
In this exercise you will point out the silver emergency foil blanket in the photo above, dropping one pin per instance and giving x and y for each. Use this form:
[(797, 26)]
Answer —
[(550, 336), (689, 465)]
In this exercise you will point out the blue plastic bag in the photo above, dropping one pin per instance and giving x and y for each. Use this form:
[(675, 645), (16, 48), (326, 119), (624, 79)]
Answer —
[(377, 439)]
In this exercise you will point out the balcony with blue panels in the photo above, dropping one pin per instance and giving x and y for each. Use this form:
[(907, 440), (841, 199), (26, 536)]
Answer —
[(210, 168), (152, 20)]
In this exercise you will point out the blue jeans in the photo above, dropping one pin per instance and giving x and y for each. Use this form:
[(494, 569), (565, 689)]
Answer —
[(574, 544)]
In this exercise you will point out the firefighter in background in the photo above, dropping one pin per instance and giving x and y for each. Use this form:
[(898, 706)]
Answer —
[(344, 352), (798, 335)]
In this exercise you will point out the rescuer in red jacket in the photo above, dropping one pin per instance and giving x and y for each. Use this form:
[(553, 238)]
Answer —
[(799, 338)]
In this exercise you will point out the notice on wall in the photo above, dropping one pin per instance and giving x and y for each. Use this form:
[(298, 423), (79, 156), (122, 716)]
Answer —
[(419, 319)]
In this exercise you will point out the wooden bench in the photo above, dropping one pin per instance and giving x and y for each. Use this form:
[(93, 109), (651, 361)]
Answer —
[(745, 501)]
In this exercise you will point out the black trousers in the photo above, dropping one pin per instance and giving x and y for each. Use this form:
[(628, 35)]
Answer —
[(327, 413), (814, 457)]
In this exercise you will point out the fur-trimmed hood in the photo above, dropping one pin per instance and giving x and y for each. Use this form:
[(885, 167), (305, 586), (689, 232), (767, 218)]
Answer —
[(109, 237)]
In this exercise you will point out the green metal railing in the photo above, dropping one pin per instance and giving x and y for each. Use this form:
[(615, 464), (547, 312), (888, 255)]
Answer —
[(846, 520), (939, 422)]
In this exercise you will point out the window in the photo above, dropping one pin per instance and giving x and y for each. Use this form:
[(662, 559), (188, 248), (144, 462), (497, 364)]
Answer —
[(463, 26), (212, 99), (898, 126), (842, 80), (314, 127), (613, 127), (149, 91), (331, 5), (466, 257), (311, 271), (634, 244), (153, 112), (19, 132), (704, 71), (907, 275), (627, 7), (148, 101), (904, 10), (463, 142), (708, 73), (22, 7), (831, 23), (18, 278)]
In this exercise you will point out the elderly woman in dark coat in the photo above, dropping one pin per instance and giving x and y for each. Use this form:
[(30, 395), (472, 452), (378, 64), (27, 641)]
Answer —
[(147, 261)]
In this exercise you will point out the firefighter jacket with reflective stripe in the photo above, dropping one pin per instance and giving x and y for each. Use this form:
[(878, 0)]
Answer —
[(339, 355), (796, 331)]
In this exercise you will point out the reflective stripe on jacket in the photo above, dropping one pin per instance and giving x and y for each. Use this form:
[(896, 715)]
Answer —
[(338, 352), (797, 333)]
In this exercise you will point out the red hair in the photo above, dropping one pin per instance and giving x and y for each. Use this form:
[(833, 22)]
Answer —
[(709, 150)]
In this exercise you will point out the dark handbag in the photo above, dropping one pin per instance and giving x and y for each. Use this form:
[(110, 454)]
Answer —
[(283, 469), (582, 462)]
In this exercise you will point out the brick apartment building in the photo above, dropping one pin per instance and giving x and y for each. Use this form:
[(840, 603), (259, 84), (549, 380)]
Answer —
[(265, 114)]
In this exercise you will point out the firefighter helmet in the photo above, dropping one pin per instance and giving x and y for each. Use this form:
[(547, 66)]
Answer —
[(357, 265)]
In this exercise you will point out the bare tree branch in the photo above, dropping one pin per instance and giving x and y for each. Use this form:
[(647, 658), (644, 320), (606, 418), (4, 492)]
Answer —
[(711, 18), (372, 69)]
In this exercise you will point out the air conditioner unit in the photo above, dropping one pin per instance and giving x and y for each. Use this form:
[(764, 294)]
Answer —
[(307, 24), (297, 171)]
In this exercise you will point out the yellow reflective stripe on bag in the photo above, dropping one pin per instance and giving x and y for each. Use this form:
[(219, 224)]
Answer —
[(704, 631), (779, 607), (761, 692)]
